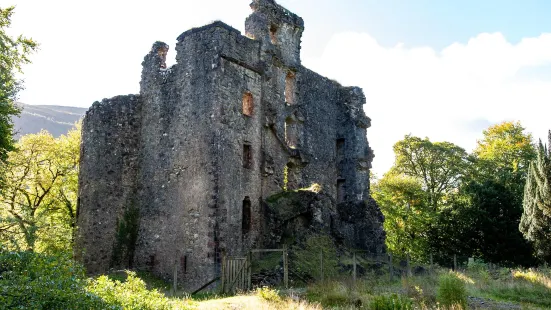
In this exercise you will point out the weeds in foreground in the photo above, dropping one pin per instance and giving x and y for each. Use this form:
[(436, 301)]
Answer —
[(451, 291)]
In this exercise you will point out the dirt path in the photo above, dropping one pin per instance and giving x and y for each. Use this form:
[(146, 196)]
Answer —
[(484, 303)]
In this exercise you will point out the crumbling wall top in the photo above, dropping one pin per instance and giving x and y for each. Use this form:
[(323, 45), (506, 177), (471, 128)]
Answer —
[(276, 12), (215, 24)]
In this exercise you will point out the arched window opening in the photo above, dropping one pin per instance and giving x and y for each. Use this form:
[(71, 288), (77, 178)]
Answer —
[(290, 83), (246, 216), (248, 104)]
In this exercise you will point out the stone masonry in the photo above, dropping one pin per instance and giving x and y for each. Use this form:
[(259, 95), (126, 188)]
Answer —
[(179, 174)]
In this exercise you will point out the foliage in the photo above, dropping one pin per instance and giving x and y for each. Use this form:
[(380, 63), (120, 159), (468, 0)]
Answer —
[(132, 294), (268, 294), (451, 291), (35, 281), (14, 53), (38, 204), (407, 216), (507, 147), (485, 214), (391, 302), (536, 217), (329, 294), (439, 166)]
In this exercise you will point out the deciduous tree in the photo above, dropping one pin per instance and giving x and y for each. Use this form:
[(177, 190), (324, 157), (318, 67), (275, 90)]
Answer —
[(14, 52), (439, 166), (37, 208)]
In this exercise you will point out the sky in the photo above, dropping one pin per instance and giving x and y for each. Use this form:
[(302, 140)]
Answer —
[(445, 70)]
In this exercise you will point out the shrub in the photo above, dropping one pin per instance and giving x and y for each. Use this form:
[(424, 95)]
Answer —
[(30, 280), (451, 291), (132, 294), (268, 294), (390, 302)]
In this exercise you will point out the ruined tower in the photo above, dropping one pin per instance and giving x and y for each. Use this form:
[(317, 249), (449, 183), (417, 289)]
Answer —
[(179, 173)]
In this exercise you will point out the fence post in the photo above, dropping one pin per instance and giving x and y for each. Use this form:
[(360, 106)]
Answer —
[(321, 265), (390, 269), (223, 276), (454, 262), (408, 266), (431, 265), (250, 270), (175, 278), (354, 267), (285, 267)]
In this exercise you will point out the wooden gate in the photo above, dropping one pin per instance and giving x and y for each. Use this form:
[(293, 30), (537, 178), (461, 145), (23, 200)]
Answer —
[(236, 273)]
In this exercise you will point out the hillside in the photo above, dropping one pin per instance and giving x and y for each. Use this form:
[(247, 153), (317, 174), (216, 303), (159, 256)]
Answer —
[(55, 119)]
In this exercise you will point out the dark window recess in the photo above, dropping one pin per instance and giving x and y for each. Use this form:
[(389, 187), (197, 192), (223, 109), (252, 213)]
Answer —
[(273, 34), (290, 88), (247, 156), (183, 263), (246, 217), (248, 104), (341, 187), (340, 149)]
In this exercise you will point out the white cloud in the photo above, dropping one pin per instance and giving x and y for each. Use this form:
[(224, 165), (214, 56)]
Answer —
[(451, 95)]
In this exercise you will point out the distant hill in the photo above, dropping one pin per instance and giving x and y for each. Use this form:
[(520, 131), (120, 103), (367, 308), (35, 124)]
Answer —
[(55, 119)]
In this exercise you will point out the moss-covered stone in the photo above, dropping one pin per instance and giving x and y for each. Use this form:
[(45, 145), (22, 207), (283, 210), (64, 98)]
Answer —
[(127, 234)]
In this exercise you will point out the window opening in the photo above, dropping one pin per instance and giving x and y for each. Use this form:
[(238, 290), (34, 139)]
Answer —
[(247, 156), (340, 149), (248, 104), (340, 190), (183, 263), (273, 34), (246, 216), (290, 82)]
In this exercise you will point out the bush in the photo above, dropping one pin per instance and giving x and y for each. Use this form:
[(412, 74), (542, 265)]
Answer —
[(34, 281), (132, 294), (268, 294), (390, 302), (451, 291)]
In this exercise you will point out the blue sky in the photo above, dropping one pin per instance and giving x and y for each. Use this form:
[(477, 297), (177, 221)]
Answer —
[(443, 69)]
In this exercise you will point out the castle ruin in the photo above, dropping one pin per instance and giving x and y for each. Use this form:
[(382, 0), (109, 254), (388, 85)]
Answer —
[(180, 173)]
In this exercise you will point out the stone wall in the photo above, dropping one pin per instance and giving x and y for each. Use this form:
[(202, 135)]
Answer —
[(107, 183)]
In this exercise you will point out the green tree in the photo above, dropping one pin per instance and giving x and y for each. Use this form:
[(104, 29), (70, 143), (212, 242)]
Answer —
[(39, 201), (503, 155), (404, 205), (439, 166), (535, 223), (14, 52), (483, 223), (487, 208)]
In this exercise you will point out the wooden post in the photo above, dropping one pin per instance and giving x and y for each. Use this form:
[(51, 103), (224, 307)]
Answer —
[(454, 262), (223, 276), (285, 267), (390, 269), (321, 265), (175, 278), (431, 265), (250, 270), (354, 267), (408, 266)]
